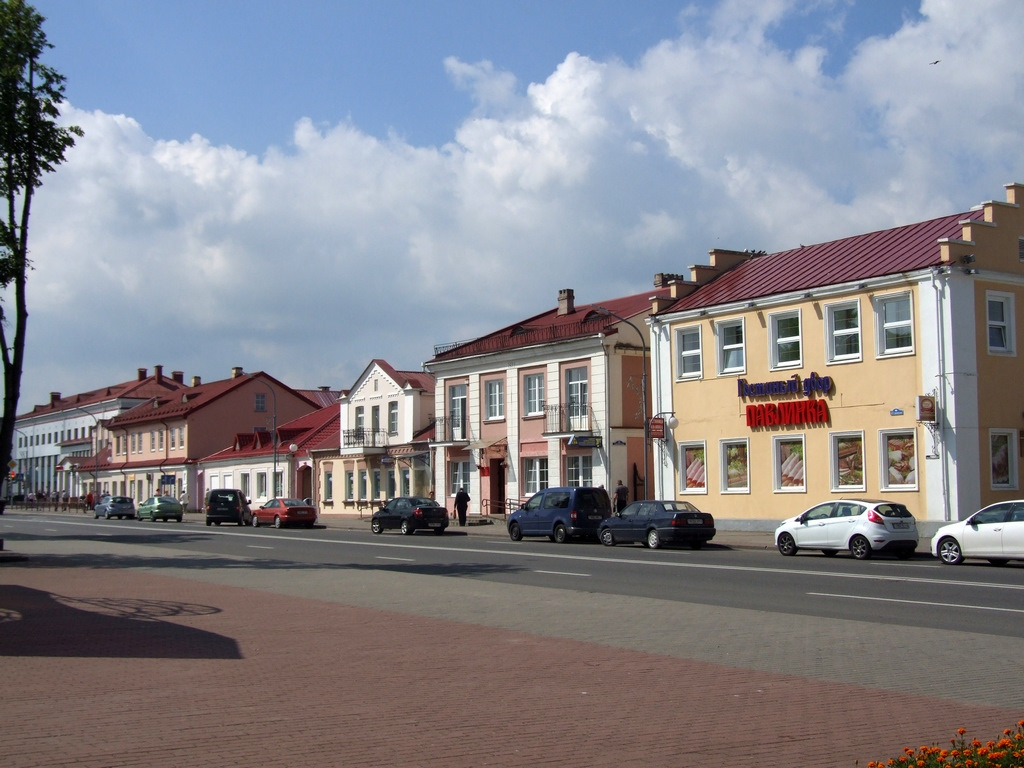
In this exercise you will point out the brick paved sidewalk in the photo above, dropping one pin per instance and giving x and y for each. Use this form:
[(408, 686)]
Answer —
[(116, 667)]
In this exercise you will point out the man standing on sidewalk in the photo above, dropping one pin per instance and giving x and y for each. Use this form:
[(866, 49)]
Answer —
[(462, 505)]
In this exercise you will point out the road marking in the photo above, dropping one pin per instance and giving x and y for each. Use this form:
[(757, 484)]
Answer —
[(257, 546), (398, 559), (562, 573), (919, 602)]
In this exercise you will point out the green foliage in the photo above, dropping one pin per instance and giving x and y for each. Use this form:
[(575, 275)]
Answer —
[(1005, 752)]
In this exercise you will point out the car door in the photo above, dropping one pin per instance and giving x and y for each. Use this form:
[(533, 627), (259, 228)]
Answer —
[(983, 535), (840, 524), (398, 510), (630, 523), (813, 531), (1013, 532)]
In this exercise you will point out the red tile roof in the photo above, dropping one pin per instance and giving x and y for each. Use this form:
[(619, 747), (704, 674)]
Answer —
[(550, 326), (412, 379), (136, 389), (861, 257), (308, 432)]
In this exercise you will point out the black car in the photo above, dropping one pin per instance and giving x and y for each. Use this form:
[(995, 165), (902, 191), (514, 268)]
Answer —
[(654, 523), (410, 514), (227, 505)]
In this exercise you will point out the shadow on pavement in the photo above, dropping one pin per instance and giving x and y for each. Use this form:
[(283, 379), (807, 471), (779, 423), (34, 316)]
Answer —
[(38, 623)]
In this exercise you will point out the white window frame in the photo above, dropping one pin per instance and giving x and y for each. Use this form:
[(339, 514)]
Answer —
[(881, 302), (693, 475), (458, 476), (724, 460), (535, 473), (533, 394), (684, 355), (579, 471), (723, 349), (887, 481), (494, 394), (1007, 324), (780, 466), (776, 340), (838, 457), (832, 334), (393, 418), (1011, 481)]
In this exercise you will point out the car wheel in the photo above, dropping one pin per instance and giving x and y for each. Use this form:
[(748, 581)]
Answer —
[(786, 544), (860, 548), (653, 539), (696, 544), (830, 552), (255, 522), (277, 521), (607, 537), (407, 528), (209, 522), (177, 519), (376, 527), (950, 552), (561, 535), (515, 532)]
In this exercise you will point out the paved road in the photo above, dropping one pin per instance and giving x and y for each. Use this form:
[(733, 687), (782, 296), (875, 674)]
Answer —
[(131, 655)]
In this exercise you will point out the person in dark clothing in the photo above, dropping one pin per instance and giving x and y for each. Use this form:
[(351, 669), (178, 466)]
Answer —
[(621, 497), (462, 505)]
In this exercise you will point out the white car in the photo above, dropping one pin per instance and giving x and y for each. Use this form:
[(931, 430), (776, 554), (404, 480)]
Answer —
[(995, 533), (862, 526)]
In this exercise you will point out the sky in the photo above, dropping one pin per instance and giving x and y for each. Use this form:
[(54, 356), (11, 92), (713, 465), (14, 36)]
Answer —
[(300, 187)]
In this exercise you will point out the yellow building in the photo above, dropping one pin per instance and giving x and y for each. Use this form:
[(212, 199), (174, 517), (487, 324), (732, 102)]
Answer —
[(877, 366)]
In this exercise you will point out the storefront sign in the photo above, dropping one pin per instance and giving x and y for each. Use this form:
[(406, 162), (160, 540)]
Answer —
[(785, 414), (795, 385)]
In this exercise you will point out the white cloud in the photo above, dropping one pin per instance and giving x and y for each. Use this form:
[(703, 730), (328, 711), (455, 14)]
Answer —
[(308, 261)]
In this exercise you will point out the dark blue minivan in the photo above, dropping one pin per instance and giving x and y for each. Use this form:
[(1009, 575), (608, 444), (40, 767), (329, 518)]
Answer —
[(561, 514)]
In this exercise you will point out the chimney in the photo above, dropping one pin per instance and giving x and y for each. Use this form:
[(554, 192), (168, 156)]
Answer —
[(658, 303), (54, 398), (236, 372), (196, 381), (178, 376), (142, 374), (158, 371), (566, 302), (324, 388)]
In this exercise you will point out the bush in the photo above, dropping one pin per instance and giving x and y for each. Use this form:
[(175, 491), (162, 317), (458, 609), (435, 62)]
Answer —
[(1006, 752)]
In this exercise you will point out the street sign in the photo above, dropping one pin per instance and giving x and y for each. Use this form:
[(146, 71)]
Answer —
[(585, 441), (657, 428), (166, 479), (12, 464)]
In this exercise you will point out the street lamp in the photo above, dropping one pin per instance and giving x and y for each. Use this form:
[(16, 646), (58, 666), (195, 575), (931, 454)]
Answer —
[(643, 386)]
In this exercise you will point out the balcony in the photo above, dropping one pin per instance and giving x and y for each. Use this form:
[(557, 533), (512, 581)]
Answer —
[(450, 429), (569, 419), (364, 438)]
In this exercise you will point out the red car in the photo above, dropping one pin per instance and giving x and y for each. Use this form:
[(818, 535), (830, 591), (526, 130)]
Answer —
[(281, 512)]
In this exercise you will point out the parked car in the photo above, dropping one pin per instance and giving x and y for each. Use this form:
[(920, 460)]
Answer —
[(227, 505), (561, 513), (995, 533), (115, 506), (653, 523), (860, 525), (281, 512), (410, 514), (161, 508)]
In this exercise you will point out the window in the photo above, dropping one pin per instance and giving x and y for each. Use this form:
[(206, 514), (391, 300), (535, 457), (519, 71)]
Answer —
[(457, 411), (360, 417), (375, 488), (735, 469), (899, 461), (350, 486), (362, 485), (160, 441), (260, 404), (688, 360), (579, 471), (895, 325), (785, 340), (458, 476), (1004, 462), (535, 474), (533, 390), (577, 398), (172, 446), (848, 461), (694, 477), (261, 485), (391, 484), (731, 352), (842, 325), (278, 477), (405, 477), (181, 437), (392, 418), (243, 484), (375, 418), (1000, 323), (495, 394), (788, 455), (328, 491), (133, 442), (152, 441)]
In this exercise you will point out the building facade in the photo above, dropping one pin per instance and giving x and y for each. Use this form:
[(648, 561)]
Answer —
[(873, 366)]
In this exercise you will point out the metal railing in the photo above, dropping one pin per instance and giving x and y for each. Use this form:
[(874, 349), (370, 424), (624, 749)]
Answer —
[(450, 429), (365, 438), (569, 417)]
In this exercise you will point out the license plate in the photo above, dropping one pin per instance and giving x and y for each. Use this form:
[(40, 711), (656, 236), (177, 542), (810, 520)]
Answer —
[(694, 521), (301, 512), (435, 525), (901, 525), (596, 517)]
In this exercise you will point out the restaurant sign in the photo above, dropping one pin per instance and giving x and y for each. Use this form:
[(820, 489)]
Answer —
[(788, 412)]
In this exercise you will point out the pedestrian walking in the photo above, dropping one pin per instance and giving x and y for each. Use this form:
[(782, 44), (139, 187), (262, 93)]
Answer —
[(621, 496), (462, 505), (88, 502)]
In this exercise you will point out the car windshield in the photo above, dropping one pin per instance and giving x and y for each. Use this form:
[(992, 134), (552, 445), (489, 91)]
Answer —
[(121, 500), (590, 498), (893, 510), (293, 502)]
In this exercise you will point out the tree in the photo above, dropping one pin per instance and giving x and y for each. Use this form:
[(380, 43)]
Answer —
[(31, 144)]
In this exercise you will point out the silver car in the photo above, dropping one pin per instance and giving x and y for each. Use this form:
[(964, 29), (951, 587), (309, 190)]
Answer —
[(862, 526), (115, 506)]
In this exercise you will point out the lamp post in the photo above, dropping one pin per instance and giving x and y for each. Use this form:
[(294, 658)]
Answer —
[(643, 387)]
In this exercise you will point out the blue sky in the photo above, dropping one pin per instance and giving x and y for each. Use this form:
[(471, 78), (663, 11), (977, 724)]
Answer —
[(283, 186)]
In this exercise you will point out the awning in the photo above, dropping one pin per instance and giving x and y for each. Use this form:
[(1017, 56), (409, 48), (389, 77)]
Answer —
[(479, 445)]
